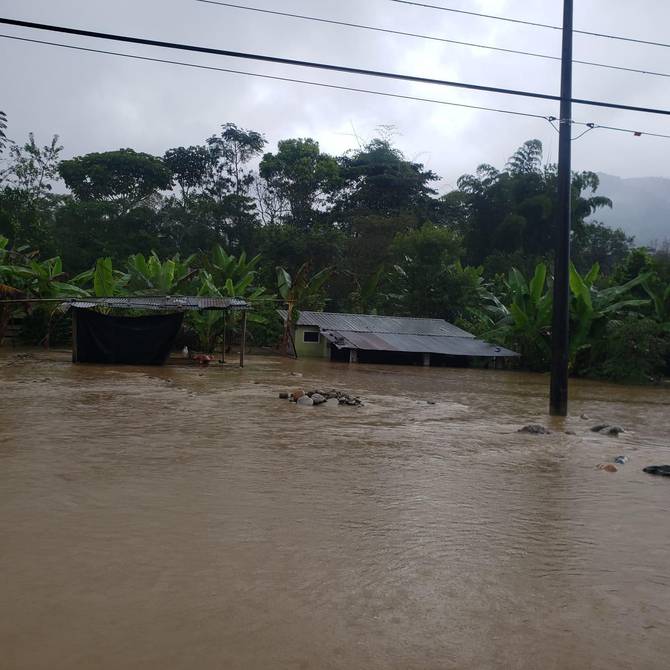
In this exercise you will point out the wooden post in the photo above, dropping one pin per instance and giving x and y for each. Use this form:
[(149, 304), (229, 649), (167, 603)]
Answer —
[(426, 360), (353, 355), (223, 343), (74, 334), (244, 338)]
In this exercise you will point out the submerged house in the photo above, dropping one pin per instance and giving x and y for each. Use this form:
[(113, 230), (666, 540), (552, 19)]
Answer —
[(368, 338)]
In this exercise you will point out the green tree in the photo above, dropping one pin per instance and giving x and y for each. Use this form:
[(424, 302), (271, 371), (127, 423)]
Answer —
[(513, 211), (125, 177), (379, 180), (303, 178), (430, 279), (33, 168), (192, 169)]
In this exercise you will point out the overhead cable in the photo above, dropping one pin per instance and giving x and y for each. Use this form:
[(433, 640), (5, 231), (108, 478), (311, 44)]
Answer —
[(353, 89), (390, 31), (535, 24), (275, 77), (324, 66)]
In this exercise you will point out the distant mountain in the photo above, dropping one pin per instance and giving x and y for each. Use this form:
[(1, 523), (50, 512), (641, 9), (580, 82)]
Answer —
[(641, 207)]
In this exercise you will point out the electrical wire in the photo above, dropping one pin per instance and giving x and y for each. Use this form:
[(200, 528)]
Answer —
[(474, 45), (534, 24), (550, 119), (325, 66), (276, 77)]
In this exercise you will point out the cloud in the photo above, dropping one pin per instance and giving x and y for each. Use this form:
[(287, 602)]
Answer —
[(98, 102)]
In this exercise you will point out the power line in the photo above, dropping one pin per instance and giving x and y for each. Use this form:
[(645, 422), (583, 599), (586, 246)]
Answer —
[(444, 40), (325, 66), (276, 77), (535, 24), (339, 87)]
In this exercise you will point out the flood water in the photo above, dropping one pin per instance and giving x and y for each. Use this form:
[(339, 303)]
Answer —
[(181, 518)]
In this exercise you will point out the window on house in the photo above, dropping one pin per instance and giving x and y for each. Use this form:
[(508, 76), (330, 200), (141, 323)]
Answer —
[(311, 336)]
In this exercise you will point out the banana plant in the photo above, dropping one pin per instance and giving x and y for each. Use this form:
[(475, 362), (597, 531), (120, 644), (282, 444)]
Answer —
[(226, 276), (525, 322), (223, 266), (103, 281), (591, 308), (150, 275), (23, 276), (300, 291), (366, 294), (660, 300)]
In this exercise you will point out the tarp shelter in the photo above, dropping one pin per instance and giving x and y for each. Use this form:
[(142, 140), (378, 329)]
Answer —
[(136, 340)]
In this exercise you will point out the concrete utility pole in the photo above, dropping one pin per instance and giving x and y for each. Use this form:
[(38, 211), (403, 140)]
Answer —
[(558, 405)]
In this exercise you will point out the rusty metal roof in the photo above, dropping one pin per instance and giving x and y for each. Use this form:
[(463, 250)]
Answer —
[(160, 303), (398, 333), (428, 344), (372, 323)]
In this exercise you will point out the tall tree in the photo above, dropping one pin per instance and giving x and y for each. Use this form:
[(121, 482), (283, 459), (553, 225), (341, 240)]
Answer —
[(303, 177), (381, 181), (124, 177), (191, 168)]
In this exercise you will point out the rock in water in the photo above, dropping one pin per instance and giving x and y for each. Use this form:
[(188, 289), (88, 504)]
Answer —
[(600, 426), (305, 401), (613, 431), (534, 429), (283, 396), (318, 399)]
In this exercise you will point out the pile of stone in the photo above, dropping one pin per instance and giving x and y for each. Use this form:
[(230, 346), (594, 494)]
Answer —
[(322, 397), (534, 429)]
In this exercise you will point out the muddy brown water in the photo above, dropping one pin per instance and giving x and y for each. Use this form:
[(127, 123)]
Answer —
[(174, 517)]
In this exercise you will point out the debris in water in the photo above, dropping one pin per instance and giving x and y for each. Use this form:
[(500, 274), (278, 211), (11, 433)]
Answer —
[(608, 467), (663, 470), (534, 429), (621, 460)]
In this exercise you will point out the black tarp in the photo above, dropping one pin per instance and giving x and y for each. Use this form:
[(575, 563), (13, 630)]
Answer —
[(134, 340)]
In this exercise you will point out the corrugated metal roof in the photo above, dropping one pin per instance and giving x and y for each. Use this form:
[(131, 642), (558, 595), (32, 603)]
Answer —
[(408, 343), (160, 303), (371, 323)]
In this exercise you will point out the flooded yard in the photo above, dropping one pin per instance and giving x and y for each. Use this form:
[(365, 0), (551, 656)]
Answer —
[(187, 518)]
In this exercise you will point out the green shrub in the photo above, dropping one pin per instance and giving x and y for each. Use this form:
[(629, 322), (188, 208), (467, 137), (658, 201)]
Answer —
[(635, 350)]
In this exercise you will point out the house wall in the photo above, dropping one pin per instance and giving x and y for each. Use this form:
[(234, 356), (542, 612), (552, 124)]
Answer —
[(310, 349)]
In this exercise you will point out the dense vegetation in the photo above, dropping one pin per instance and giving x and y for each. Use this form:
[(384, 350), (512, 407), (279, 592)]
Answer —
[(362, 232)]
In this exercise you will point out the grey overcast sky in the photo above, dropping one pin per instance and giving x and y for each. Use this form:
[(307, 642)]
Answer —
[(99, 102)]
